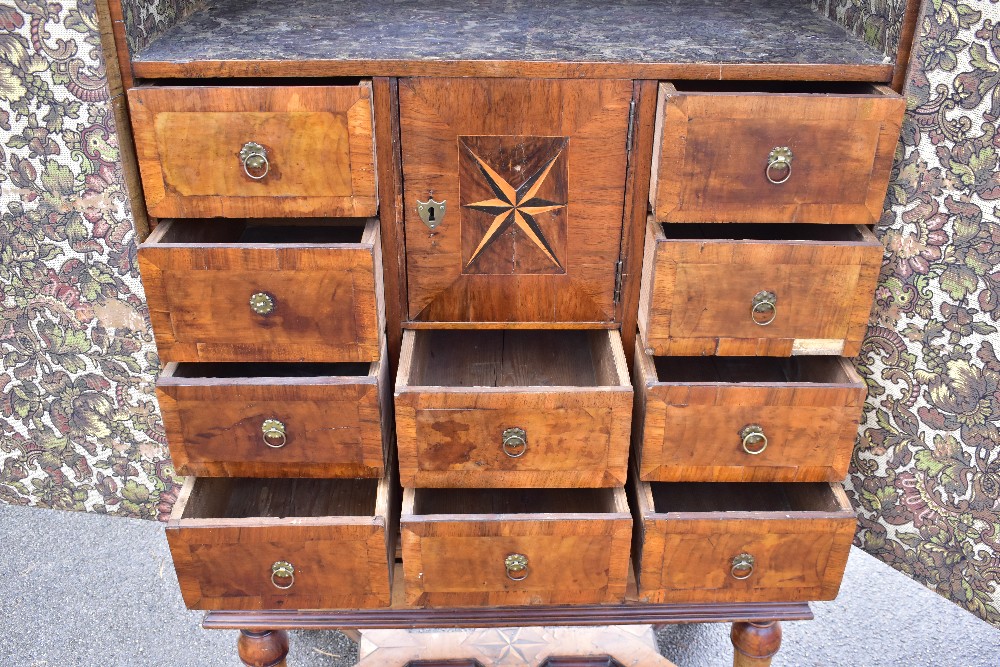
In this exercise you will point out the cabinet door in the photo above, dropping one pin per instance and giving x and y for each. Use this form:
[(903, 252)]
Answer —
[(532, 173)]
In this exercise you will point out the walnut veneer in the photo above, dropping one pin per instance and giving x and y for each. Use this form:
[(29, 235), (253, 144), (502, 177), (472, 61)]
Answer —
[(440, 232)]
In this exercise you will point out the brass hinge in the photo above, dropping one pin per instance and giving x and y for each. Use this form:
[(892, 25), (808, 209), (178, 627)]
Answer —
[(631, 123), (618, 281)]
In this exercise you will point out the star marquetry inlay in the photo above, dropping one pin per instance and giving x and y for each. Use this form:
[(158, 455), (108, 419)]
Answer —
[(515, 206)]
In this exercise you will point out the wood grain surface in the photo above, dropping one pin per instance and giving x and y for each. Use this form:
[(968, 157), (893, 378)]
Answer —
[(798, 534), (319, 142), (390, 212), (324, 279), (561, 145), (454, 546), (332, 415), (712, 153), (225, 535), (458, 391), (691, 412), (699, 282)]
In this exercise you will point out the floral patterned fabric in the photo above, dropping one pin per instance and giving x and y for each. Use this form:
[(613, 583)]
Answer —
[(147, 19), (926, 472), (79, 426), (878, 22)]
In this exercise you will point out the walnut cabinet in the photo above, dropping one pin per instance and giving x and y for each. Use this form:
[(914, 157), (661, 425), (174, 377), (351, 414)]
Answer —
[(560, 300)]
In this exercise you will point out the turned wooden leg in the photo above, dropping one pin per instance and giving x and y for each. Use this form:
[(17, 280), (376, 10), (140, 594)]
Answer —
[(754, 644), (263, 648)]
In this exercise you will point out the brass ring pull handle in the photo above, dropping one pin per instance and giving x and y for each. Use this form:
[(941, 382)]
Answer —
[(282, 569), (515, 442), (517, 567), (754, 440), (254, 159), (273, 432), (764, 308), (779, 165), (262, 303), (742, 563)]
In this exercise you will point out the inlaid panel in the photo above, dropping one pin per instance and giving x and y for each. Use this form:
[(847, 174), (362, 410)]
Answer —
[(532, 177)]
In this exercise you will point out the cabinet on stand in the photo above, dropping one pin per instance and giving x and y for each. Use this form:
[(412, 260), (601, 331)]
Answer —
[(486, 314)]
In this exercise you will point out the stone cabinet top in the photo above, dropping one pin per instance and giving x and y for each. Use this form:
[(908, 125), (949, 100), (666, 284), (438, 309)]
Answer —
[(755, 39)]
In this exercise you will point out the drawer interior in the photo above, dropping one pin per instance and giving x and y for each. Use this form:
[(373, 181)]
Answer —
[(323, 231), (763, 232), (782, 87), (710, 497), (514, 501), (716, 370), (238, 498), (269, 370), (518, 358)]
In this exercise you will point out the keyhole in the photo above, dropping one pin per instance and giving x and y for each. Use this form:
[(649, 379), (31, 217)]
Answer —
[(430, 214)]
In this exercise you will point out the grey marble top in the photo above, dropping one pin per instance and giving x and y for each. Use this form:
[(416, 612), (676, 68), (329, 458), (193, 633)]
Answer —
[(603, 31)]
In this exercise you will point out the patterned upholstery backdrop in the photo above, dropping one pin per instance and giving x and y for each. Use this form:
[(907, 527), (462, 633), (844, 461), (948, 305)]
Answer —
[(146, 19), (79, 425), (926, 471), (79, 428), (878, 22)]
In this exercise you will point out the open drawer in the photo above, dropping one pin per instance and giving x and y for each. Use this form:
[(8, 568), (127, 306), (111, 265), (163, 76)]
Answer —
[(748, 542), (261, 151), (485, 547), (283, 291), (739, 419), (284, 543), (276, 420), (778, 152), (513, 408), (757, 290)]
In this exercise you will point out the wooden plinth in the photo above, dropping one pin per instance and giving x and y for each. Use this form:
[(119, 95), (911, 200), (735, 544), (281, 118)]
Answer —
[(756, 632)]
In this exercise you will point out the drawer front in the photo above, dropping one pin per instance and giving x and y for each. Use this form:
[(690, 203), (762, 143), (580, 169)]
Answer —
[(714, 154), (274, 427), (255, 152), (517, 439), (746, 431), (704, 543), (693, 560), (335, 567), (706, 443), (531, 174), (766, 298), (462, 563), (319, 303)]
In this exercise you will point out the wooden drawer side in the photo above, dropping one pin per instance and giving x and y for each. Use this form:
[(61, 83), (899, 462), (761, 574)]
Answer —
[(701, 293), (712, 152), (692, 426), (797, 554), (226, 562), (455, 434), (319, 143), (572, 557), (330, 426), (325, 298)]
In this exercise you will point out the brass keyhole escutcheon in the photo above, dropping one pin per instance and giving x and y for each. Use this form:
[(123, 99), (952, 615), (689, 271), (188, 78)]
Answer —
[(779, 165), (742, 567), (754, 440), (262, 303), (517, 567), (764, 308), (514, 442), (274, 434), (254, 159), (432, 212), (281, 570)]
